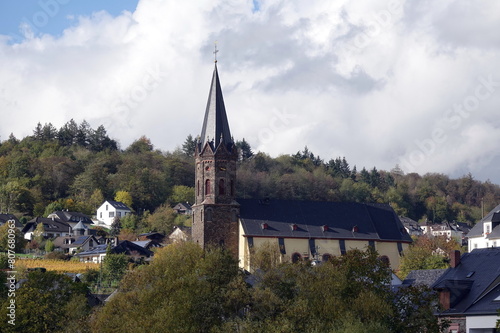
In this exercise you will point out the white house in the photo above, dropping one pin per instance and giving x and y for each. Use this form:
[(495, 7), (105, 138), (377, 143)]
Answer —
[(486, 233), (107, 212)]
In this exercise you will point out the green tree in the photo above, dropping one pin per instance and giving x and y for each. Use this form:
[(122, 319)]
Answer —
[(114, 267), (162, 220), (182, 290), (189, 146), (181, 193), (49, 246), (42, 304), (18, 239)]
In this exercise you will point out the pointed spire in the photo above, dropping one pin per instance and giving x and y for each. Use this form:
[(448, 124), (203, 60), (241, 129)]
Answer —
[(215, 124)]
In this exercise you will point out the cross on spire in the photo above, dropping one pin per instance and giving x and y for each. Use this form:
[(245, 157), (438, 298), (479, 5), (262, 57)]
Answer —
[(215, 52)]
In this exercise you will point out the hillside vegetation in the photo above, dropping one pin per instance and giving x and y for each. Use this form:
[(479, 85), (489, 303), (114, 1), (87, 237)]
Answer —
[(77, 167)]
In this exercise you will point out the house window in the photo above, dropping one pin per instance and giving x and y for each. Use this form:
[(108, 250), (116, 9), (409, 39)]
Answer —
[(488, 230), (100, 215), (106, 207), (222, 190), (207, 187), (91, 243), (326, 257), (111, 214), (119, 214)]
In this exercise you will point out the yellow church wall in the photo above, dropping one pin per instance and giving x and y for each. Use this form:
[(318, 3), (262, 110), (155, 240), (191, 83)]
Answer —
[(328, 246), (324, 246), (390, 249)]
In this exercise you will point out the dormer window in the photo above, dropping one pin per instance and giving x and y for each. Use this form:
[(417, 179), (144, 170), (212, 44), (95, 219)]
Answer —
[(264, 226), (355, 229), (294, 227), (324, 228), (487, 228)]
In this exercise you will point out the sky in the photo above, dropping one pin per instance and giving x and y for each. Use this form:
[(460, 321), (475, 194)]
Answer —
[(381, 83)]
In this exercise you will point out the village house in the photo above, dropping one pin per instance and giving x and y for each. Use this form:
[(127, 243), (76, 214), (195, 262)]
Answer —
[(451, 230), (71, 218), (301, 230), (180, 234), (6, 217), (107, 212), (486, 233), (183, 208), (469, 291), (133, 251), (412, 227), (52, 228)]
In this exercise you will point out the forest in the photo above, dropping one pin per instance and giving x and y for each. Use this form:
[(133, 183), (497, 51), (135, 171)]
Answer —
[(76, 167)]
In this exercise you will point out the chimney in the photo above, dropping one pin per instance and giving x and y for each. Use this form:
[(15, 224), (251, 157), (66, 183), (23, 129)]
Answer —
[(454, 258)]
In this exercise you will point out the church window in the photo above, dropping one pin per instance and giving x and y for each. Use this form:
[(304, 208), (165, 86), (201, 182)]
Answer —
[(208, 215), (207, 187), (385, 260), (296, 257), (222, 190), (198, 188)]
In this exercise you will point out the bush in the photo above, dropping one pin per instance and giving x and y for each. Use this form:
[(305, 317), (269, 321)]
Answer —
[(56, 255)]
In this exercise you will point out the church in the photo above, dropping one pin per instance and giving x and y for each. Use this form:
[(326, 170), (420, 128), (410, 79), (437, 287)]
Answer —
[(300, 230)]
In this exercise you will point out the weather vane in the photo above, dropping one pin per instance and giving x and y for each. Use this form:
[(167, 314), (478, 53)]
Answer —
[(215, 52)]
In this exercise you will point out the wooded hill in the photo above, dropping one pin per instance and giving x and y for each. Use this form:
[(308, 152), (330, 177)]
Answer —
[(76, 167)]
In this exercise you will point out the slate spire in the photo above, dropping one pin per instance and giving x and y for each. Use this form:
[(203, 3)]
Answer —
[(215, 128)]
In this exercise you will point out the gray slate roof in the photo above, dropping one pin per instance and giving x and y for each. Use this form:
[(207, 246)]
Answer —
[(426, 277), (118, 205), (5, 217), (373, 221), (66, 216), (215, 124), (474, 283)]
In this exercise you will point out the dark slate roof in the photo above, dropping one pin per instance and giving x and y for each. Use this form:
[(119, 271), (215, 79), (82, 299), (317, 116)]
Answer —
[(215, 125), (123, 246), (426, 277), (5, 217), (118, 205), (49, 225), (71, 217), (82, 240), (474, 283), (493, 216), (373, 221)]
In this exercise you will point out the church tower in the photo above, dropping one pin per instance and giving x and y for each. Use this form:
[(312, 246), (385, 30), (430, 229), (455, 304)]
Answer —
[(215, 212)]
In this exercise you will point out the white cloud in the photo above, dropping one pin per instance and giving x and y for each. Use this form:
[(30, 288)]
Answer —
[(368, 81)]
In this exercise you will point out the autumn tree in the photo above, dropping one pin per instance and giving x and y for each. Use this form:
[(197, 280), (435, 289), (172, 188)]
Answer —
[(124, 197)]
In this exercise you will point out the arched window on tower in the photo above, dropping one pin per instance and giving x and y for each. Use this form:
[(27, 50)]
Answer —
[(222, 188), (207, 187), (198, 188)]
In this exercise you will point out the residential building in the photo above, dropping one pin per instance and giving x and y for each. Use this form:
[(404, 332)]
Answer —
[(180, 234), (98, 253), (448, 229), (7, 217), (73, 244), (71, 218), (412, 227), (469, 291), (52, 228), (299, 229), (486, 233), (107, 212), (183, 208)]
